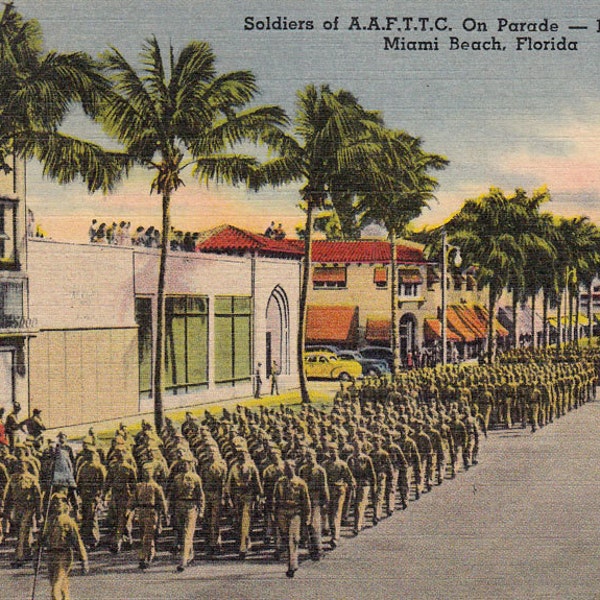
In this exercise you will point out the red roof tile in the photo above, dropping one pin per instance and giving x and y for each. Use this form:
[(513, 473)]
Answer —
[(228, 238), (363, 251)]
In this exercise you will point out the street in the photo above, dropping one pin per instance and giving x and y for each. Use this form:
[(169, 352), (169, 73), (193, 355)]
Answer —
[(523, 523)]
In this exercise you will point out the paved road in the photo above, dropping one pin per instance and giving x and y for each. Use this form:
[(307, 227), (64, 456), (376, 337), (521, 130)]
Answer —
[(523, 524)]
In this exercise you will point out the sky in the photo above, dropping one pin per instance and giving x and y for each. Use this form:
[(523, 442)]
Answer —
[(504, 118)]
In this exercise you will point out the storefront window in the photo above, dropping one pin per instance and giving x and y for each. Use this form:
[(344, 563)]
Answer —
[(233, 327)]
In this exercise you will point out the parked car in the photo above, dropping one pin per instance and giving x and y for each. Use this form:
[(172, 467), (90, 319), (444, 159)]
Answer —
[(373, 367), (379, 353), (321, 348), (327, 365)]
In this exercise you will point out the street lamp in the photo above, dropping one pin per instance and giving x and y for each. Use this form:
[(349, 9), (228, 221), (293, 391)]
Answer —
[(446, 249)]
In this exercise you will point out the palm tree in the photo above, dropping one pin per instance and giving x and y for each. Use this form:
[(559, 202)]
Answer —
[(536, 248), (335, 138), (37, 92), (408, 166), (581, 240), (483, 229), (179, 115)]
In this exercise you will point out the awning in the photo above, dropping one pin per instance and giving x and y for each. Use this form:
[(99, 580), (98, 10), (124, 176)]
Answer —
[(462, 329), (409, 276), (583, 320), (378, 331), (482, 312), (432, 330), (329, 274), (380, 275), (332, 324)]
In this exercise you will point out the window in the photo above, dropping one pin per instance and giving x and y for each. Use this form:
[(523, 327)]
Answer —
[(7, 234), (233, 338), (143, 317), (329, 277), (186, 343), (409, 281), (380, 277), (409, 289)]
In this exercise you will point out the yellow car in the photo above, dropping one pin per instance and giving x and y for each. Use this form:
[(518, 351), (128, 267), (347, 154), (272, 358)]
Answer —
[(327, 365)]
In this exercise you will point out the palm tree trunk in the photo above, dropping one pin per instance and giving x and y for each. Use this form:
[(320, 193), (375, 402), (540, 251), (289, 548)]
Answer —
[(159, 414), (577, 308), (590, 312), (394, 305), (491, 309), (515, 341), (558, 323), (570, 330), (533, 320), (545, 302), (303, 309)]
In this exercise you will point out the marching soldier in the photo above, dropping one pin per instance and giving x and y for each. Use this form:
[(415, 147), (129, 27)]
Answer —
[(63, 541), (362, 469), (292, 507), (242, 489), (316, 480), (22, 504), (119, 486), (382, 464), (213, 474), (91, 476), (150, 505), (188, 502), (339, 480)]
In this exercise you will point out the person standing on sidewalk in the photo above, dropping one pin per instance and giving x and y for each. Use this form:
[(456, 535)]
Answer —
[(275, 372)]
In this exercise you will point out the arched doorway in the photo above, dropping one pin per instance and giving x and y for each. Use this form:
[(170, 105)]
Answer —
[(277, 335), (408, 329)]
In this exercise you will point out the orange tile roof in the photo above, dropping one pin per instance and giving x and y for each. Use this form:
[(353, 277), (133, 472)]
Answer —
[(227, 238), (336, 324), (364, 251)]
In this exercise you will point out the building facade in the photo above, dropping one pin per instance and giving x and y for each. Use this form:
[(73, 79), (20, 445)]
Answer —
[(90, 356)]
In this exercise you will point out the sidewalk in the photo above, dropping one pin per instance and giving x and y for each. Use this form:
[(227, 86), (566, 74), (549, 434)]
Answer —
[(106, 429)]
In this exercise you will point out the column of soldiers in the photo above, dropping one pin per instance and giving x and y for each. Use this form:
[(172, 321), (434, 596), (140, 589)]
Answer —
[(279, 479)]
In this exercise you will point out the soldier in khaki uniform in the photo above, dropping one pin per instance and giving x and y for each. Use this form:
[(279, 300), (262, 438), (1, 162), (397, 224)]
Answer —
[(382, 464), (150, 505), (292, 507), (119, 485), (270, 475), (242, 489), (187, 501), (213, 474), (63, 540), (339, 481), (316, 480), (22, 504), (91, 476), (362, 469)]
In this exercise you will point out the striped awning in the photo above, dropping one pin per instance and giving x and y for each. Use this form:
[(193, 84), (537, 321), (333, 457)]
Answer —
[(432, 330)]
